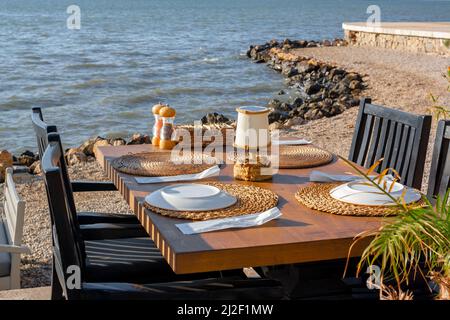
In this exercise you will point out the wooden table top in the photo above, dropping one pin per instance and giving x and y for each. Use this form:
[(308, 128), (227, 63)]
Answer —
[(300, 235)]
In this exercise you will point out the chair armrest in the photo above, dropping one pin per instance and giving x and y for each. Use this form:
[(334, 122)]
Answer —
[(14, 249), (91, 186)]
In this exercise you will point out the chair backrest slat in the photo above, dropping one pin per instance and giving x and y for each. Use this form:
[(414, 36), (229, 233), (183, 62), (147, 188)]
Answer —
[(65, 239), (396, 147), (400, 138), (406, 170), (376, 131), (388, 152), (365, 139), (381, 146), (439, 180), (42, 131), (401, 159), (14, 209)]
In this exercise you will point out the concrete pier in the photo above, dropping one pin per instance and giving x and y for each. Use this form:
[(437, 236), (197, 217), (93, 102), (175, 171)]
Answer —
[(428, 37)]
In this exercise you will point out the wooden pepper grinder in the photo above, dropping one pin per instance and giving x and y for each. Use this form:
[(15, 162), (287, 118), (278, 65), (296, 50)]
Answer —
[(167, 114), (158, 123)]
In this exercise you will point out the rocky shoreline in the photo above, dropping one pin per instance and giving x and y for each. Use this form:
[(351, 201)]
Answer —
[(316, 89)]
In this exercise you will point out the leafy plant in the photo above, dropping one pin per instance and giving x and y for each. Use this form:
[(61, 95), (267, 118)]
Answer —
[(414, 243)]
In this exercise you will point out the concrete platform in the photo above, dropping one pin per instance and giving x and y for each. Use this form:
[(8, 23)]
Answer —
[(429, 37), (438, 30), (40, 293)]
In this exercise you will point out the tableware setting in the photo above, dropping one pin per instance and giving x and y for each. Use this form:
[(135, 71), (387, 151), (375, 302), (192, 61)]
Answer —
[(363, 192), (355, 196), (211, 200), (190, 197)]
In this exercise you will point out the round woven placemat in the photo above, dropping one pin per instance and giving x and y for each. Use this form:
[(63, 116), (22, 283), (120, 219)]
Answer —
[(303, 157), (317, 197), (250, 199), (161, 164)]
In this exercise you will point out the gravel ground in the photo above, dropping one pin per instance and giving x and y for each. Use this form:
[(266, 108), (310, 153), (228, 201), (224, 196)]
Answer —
[(395, 79)]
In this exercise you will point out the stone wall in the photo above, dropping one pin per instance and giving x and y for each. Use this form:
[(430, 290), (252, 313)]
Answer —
[(398, 42)]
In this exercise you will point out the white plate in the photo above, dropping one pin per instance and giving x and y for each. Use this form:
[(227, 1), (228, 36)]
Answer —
[(356, 193), (190, 197), (365, 186)]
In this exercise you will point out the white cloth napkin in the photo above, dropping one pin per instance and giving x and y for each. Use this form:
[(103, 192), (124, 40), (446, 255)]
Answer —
[(210, 172), (291, 142), (320, 176), (244, 221)]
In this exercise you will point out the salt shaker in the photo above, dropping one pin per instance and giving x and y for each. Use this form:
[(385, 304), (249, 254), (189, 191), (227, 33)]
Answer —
[(167, 114)]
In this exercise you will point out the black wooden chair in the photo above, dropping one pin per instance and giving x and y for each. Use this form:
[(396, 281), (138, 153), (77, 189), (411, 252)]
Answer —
[(399, 137), (94, 224), (74, 259), (439, 181)]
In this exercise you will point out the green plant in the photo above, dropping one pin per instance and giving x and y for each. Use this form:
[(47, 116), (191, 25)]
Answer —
[(414, 243)]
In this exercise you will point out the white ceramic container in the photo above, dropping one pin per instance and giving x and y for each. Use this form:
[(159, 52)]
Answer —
[(252, 128)]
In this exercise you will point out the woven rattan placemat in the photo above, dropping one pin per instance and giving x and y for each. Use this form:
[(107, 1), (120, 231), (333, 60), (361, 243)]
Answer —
[(155, 164), (317, 196), (250, 199), (303, 156)]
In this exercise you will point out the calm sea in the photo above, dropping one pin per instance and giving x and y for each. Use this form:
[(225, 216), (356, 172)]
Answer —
[(128, 55)]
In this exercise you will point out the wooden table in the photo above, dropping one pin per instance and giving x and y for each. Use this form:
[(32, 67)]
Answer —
[(300, 235)]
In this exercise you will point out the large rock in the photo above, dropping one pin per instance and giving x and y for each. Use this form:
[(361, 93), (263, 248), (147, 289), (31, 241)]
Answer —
[(139, 138), (275, 126), (75, 156), (294, 122), (35, 168), (355, 84), (296, 102), (88, 146), (27, 158), (99, 143), (277, 116), (118, 142), (312, 88), (214, 118), (6, 160), (289, 71), (306, 67), (313, 114)]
